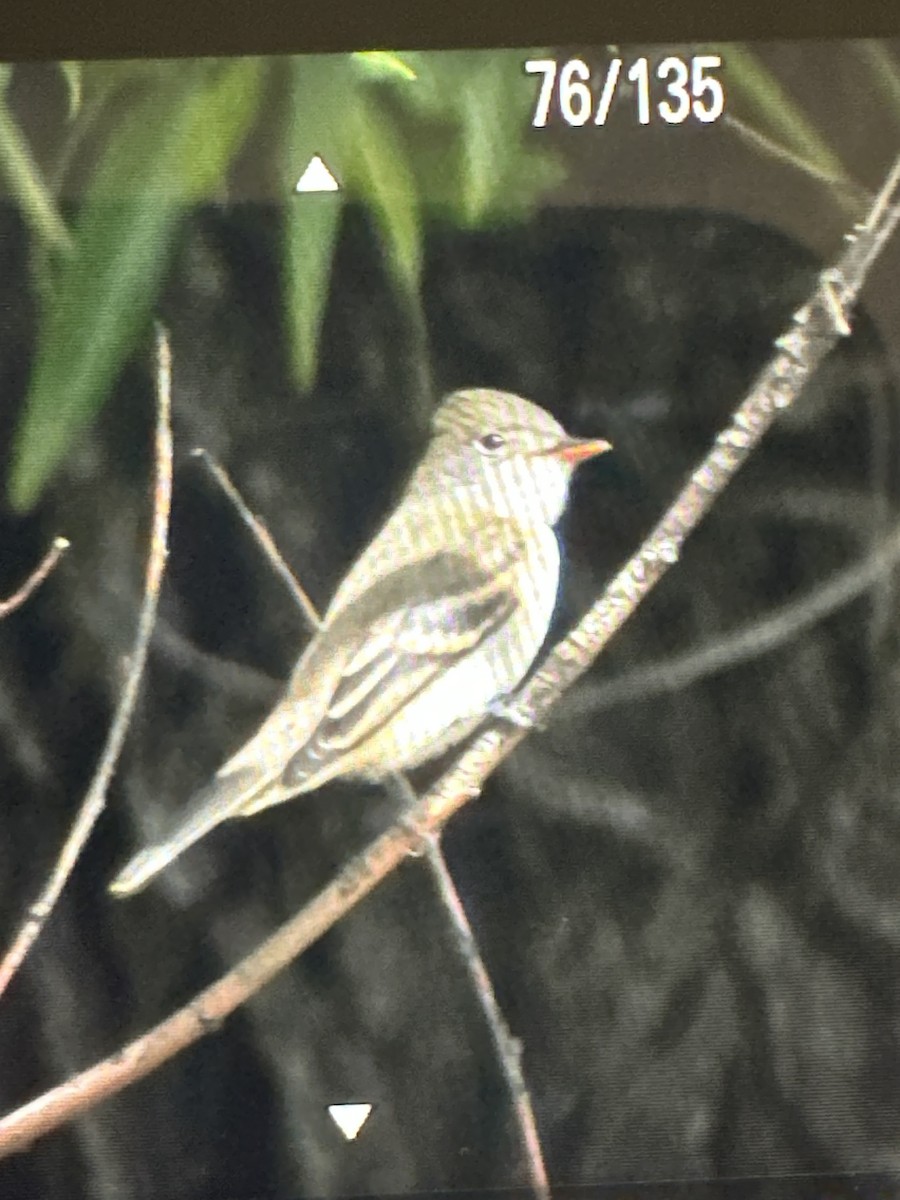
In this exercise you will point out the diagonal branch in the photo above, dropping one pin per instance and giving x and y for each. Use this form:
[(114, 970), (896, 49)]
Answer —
[(814, 330), (95, 800)]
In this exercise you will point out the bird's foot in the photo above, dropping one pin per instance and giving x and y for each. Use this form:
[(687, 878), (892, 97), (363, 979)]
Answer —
[(419, 840)]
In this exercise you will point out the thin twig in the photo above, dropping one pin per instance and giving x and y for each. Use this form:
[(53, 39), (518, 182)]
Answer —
[(263, 538), (95, 800), (508, 1048), (850, 193), (36, 578), (750, 642), (814, 330)]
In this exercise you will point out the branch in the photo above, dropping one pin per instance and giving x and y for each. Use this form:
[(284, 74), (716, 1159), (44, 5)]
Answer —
[(508, 1047), (36, 578), (814, 330), (95, 800), (750, 641)]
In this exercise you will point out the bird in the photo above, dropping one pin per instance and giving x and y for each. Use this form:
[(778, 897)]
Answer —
[(433, 628)]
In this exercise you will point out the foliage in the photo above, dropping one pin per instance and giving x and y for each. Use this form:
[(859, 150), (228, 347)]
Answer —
[(143, 141), (411, 137)]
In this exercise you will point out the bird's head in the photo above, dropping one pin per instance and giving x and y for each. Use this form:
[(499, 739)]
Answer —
[(507, 453)]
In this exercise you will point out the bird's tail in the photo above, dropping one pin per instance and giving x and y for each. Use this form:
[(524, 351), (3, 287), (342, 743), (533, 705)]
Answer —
[(225, 796)]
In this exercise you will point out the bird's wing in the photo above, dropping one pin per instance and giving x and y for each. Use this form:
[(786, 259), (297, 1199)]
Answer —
[(456, 607), (372, 660), (392, 643)]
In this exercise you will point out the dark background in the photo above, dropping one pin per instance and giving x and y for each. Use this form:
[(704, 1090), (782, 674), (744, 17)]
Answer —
[(686, 893), (46, 29)]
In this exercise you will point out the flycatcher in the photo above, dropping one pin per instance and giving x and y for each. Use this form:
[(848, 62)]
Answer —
[(440, 618)]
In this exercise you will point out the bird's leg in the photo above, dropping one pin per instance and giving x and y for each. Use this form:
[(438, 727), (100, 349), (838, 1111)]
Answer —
[(402, 790)]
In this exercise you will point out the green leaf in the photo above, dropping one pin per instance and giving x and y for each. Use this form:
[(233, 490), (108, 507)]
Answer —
[(72, 75), (171, 149), (27, 184), (384, 64), (494, 111), (309, 243), (476, 157), (126, 79), (376, 167), (311, 220), (439, 75), (335, 112), (885, 72)]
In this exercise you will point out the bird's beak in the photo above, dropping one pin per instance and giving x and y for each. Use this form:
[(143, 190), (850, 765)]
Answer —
[(577, 450)]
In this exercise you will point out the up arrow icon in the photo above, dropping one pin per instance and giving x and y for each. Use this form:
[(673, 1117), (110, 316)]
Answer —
[(349, 1118), (317, 178)]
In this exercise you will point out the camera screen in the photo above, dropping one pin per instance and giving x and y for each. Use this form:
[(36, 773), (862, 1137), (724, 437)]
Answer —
[(447, 743)]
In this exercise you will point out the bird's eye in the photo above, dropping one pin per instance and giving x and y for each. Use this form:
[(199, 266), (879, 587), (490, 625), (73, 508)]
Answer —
[(491, 443)]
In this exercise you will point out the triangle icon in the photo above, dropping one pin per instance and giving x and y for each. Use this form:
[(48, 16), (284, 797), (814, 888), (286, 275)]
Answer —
[(349, 1118), (317, 178)]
